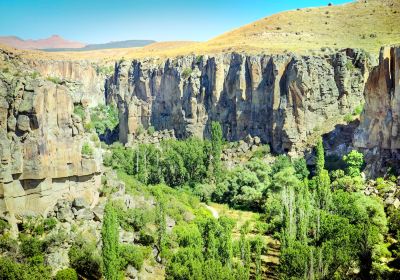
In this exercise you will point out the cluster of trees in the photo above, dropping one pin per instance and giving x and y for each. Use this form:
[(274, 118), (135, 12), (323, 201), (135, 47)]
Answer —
[(24, 257), (206, 251), (104, 120), (326, 230), (175, 163)]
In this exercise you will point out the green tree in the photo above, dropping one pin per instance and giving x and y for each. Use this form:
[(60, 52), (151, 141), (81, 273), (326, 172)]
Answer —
[(161, 225), (354, 161), (320, 157), (216, 144), (258, 246), (110, 237), (66, 274)]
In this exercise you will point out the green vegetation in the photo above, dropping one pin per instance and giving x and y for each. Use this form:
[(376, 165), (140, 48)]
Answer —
[(105, 70), (87, 150), (54, 80), (216, 149), (104, 118), (350, 66), (110, 237), (79, 111), (85, 258), (66, 274), (186, 73)]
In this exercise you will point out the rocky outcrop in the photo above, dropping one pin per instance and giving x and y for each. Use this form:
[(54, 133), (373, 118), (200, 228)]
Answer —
[(85, 80), (40, 143), (283, 99), (379, 132)]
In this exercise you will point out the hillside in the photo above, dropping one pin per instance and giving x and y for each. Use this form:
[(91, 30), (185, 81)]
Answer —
[(110, 45), (54, 41), (362, 24)]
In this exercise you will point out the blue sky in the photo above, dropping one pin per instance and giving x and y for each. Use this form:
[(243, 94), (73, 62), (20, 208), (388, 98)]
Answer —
[(99, 21)]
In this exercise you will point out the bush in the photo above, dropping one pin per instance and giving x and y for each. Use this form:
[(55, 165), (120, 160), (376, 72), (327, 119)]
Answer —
[(66, 274), (8, 244), (186, 73), (349, 66), (54, 80), (354, 161), (9, 270), (31, 246), (132, 255), (85, 259), (145, 238), (204, 191), (87, 150), (104, 118), (262, 151), (348, 118), (135, 218), (79, 111), (358, 110), (151, 130), (49, 223), (3, 226)]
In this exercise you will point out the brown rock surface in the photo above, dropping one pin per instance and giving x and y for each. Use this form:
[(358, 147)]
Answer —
[(378, 134), (41, 158), (283, 99)]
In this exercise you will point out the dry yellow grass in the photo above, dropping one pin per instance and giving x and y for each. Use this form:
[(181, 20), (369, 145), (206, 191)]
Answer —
[(366, 24)]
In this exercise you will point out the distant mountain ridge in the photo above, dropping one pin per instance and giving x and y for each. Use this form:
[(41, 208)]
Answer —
[(54, 41), (110, 45)]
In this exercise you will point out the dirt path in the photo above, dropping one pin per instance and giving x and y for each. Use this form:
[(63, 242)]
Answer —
[(213, 211)]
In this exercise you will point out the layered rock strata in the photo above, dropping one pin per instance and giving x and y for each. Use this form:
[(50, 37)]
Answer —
[(283, 99), (40, 143)]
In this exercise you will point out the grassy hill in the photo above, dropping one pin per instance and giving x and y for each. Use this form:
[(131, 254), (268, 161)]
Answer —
[(367, 24)]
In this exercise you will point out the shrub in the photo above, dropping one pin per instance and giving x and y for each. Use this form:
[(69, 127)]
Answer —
[(66, 274), (199, 59), (105, 70), (3, 226), (135, 218), (31, 246), (79, 111), (132, 255), (204, 191), (358, 110), (146, 238), (8, 244), (151, 130), (34, 74), (104, 118), (54, 80), (348, 118), (354, 161), (349, 66), (49, 223), (10, 270), (84, 258), (262, 151), (186, 73), (87, 150)]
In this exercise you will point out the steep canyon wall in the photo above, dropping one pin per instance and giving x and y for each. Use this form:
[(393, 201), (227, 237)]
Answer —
[(40, 141), (379, 132), (283, 99)]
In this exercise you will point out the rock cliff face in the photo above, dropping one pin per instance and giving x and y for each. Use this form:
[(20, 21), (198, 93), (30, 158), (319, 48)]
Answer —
[(40, 143), (379, 131), (84, 79), (283, 99)]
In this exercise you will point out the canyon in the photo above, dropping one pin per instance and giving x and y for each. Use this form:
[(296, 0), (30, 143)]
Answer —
[(285, 100)]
